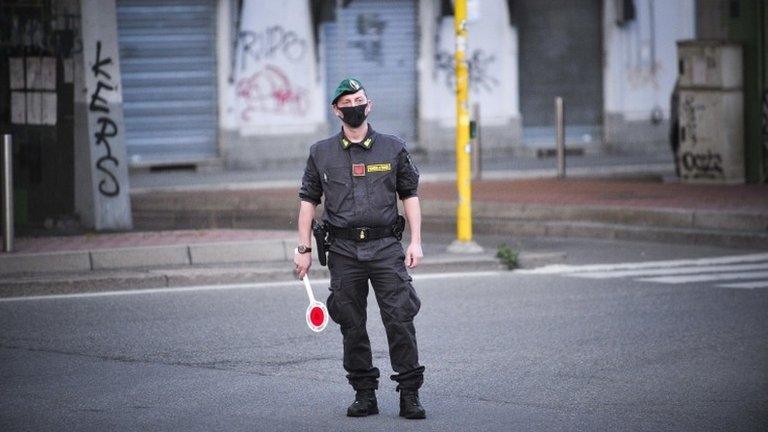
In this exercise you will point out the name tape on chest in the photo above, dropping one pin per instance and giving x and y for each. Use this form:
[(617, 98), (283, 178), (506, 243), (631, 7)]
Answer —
[(379, 167), (359, 170)]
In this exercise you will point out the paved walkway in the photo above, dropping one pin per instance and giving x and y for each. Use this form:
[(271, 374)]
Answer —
[(592, 192), (748, 199), (93, 241)]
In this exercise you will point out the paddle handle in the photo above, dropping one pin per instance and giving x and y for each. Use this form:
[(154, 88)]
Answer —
[(310, 294)]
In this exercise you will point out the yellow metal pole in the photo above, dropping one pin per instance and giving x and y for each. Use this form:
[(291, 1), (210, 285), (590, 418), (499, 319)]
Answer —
[(463, 163)]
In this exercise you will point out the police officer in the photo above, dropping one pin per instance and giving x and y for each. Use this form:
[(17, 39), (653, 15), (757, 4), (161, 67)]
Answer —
[(360, 173)]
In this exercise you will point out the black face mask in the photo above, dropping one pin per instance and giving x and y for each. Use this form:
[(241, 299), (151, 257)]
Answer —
[(354, 116)]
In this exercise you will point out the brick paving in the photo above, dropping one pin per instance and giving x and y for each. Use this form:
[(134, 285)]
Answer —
[(579, 192), (741, 198)]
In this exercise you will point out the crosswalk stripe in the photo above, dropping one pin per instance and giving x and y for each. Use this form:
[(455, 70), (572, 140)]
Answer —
[(563, 268), (706, 278), (746, 285), (671, 271)]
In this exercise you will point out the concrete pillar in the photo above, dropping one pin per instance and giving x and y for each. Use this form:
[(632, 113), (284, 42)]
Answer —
[(101, 164), (492, 57)]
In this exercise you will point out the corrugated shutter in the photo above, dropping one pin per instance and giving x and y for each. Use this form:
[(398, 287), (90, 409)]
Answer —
[(380, 50), (560, 55), (168, 65)]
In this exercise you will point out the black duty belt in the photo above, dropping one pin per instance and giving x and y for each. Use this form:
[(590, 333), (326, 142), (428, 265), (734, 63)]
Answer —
[(361, 234)]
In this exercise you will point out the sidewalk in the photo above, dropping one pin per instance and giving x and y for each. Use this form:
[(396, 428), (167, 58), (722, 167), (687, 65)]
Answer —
[(200, 228), (137, 260), (626, 204)]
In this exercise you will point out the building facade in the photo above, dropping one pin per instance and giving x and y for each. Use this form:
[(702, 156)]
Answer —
[(244, 84)]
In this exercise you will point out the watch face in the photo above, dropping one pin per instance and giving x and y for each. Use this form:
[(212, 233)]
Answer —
[(303, 249)]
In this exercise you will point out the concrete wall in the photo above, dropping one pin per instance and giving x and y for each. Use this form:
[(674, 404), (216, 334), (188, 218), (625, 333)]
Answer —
[(101, 162), (492, 54), (272, 100), (640, 72)]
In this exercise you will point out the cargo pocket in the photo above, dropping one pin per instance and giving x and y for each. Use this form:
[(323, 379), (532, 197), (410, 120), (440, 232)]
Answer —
[(411, 304), (340, 308), (381, 189)]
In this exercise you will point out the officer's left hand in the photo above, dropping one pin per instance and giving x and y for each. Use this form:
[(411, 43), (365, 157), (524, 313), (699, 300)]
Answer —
[(413, 255)]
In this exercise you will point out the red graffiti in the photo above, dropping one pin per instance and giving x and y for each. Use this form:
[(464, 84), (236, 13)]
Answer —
[(270, 91)]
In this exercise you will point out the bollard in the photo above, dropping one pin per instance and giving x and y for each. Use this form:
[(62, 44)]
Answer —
[(477, 161), (7, 193), (560, 136)]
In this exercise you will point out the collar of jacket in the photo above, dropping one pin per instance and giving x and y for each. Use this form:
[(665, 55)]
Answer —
[(366, 143)]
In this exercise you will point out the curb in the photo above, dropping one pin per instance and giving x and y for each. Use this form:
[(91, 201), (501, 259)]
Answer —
[(720, 228), (147, 256), (100, 280)]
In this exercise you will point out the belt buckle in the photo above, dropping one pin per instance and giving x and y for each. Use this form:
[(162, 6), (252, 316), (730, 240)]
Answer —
[(361, 234)]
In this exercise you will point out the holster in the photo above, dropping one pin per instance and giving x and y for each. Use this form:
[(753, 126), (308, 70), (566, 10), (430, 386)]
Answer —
[(320, 231), (399, 227)]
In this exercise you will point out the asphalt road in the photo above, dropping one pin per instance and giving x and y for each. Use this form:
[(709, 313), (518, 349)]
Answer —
[(553, 350)]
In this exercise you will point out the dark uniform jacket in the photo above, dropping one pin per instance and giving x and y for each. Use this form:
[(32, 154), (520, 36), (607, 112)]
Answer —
[(360, 183)]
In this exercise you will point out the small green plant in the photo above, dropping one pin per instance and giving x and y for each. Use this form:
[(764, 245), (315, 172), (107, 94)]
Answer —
[(507, 256)]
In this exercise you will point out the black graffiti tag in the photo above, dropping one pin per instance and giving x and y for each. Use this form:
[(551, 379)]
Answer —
[(370, 31), (478, 65), (265, 45), (702, 165), (107, 128)]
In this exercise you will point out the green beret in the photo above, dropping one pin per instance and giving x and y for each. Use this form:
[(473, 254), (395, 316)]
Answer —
[(346, 86)]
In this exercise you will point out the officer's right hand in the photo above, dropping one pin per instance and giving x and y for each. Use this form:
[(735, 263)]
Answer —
[(303, 262)]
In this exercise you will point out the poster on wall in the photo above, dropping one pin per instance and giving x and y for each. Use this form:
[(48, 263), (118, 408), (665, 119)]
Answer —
[(33, 73), (18, 108), (16, 72), (48, 73), (34, 108), (49, 108)]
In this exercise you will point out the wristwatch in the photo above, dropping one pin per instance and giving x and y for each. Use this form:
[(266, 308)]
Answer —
[(302, 249)]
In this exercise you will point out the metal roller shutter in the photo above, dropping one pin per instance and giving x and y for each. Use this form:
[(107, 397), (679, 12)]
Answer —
[(168, 64), (380, 50), (560, 55)]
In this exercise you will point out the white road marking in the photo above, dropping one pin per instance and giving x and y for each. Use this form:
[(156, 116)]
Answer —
[(671, 271), (746, 285), (706, 278), (563, 268), (260, 285)]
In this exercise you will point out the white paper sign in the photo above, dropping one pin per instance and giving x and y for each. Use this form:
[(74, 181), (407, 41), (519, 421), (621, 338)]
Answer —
[(18, 108), (48, 73), (33, 72), (16, 72), (34, 108), (49, 108)]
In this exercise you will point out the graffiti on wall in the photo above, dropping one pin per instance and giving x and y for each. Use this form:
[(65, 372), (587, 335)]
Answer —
[(707, 164), (257, 46), (106, 128), (479, 64), (270, 91), (370, 34), (696, 162), (265, 87)]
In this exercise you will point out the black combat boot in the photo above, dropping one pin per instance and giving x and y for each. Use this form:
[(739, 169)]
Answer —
[(410, 407), (364, 404)]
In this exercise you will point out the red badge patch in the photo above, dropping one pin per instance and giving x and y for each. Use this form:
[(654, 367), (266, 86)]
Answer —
[(358, 170)]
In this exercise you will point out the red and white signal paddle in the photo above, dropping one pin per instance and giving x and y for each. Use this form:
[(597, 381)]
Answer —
[(317, 314)]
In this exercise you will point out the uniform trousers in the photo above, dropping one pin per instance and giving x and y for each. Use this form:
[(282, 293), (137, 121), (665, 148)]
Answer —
[(398, 304)]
